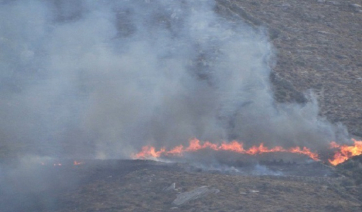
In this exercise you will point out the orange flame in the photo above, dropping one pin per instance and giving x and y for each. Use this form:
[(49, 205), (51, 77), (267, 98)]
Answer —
[(345, 152), (233, 146), (149, 151), (77, 163)]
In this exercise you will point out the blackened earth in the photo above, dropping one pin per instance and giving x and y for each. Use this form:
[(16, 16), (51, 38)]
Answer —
[(141, 185)]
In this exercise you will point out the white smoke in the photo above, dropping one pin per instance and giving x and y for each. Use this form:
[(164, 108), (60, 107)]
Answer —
[(103, 78)]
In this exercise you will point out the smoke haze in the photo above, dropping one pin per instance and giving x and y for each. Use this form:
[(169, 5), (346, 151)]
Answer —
[(104, 78)]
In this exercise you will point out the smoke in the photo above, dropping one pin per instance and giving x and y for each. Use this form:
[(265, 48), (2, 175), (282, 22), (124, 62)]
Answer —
[(103, 78)]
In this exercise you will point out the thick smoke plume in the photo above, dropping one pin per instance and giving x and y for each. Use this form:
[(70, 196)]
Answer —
[(103, 78)]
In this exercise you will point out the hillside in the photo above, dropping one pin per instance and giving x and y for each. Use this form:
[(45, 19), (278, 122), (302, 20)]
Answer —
[(319, 48)]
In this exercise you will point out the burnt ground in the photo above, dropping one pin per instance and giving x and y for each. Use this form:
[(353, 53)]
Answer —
[(319, 48), (126, 185)]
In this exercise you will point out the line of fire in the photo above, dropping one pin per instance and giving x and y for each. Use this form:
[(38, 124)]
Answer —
[(341, 152)]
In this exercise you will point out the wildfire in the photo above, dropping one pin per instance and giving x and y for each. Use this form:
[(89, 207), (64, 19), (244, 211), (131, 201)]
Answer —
[(234, 146), (342, 152)]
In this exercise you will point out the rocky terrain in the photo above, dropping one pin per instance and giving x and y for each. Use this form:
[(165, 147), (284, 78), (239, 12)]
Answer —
[(319, 48)]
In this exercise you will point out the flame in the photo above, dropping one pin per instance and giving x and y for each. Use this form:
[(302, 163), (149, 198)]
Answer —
[(77, 163), (233, 146), (149, 151), (345, 152)]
